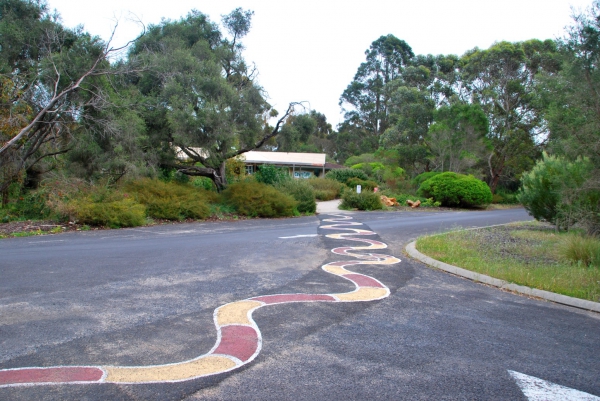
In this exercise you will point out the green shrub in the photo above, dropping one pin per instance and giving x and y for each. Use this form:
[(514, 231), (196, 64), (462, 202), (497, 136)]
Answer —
[(113, 213), (302, 192), (256, 199), (581, 250), (204, 183), (170, 200), (28, 205), (367, 185), (325, 188), (402, 198), (364, 201), (418, 180), (505, 198), (554, 191), (344, 174), (269, 174), (452, 189)]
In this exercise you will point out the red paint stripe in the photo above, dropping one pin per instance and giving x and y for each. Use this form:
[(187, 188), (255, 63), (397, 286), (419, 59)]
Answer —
[(50, 375), (344, 263), (363, 281), (238, 341), (281, 298)]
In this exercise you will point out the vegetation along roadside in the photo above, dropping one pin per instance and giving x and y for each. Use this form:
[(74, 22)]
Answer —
[(532, 254)]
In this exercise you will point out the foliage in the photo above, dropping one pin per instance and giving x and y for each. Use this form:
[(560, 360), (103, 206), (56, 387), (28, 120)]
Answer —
[(107, 207), (457, 138), (502, 81), (171, 200), (235, 169), (452, 189), (325, 188), (256, 199), (366, 98), (302, 192), (581, 250), (113, 214), (365, 200), (554, 191), (418, 180), (366, 185), (204, 183), (52, 80), (269, 174), (204, 101), (344, 174), (526, 255), (401, 198)]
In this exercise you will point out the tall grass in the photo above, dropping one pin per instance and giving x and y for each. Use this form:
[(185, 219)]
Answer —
[(581, 250)]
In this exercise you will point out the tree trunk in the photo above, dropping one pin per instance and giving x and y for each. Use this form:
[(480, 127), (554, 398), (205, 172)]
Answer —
[(4, 197)]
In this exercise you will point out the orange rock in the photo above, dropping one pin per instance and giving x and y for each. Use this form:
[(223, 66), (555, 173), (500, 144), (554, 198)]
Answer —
[(413, 204), (389, 201)]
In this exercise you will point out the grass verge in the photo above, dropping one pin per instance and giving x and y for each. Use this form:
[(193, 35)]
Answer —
[(527, 254)]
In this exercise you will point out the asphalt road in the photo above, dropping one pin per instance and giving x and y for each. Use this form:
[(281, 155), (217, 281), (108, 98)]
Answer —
[(146, 296)]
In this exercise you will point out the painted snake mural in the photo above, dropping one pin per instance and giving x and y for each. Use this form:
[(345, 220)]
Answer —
[(239, 339)]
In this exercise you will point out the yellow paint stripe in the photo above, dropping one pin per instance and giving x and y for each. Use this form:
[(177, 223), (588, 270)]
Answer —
[(363, 294), (236, 312), (181, 371), (337, 270)]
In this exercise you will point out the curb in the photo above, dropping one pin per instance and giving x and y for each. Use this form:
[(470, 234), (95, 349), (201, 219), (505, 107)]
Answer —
[(520, 289)]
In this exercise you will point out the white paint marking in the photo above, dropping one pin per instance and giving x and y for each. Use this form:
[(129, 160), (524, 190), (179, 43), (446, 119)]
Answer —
[(540, 390), (301, 236), (39, 242)]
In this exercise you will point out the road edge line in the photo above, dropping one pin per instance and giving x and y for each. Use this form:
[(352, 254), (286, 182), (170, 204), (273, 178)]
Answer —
[(411, 250)]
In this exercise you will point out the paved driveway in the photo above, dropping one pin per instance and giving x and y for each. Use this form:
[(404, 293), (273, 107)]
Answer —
[(147, 296)]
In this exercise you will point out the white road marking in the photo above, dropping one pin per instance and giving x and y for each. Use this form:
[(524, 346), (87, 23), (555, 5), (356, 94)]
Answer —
[(540, 390), (54, 240), (301, 236)]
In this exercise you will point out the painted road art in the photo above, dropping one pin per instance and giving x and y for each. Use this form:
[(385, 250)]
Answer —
[(238, 337)]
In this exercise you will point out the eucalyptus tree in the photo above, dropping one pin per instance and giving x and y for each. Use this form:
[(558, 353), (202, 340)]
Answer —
[(202, 102), (573, 95), (366, 99), (502, 80), (50, 78), (457, 139), (573, 114)]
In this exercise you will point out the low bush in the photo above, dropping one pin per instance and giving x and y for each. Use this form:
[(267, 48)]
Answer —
[(256, 199), (452, 189), (302, 192), (363, 201), (554, 191), (113, 213), (268, 174), (204, 183), (344, 174), (418, 180), (170, 200), (325, 188), (505, 198), (28, 205), (367, 185)]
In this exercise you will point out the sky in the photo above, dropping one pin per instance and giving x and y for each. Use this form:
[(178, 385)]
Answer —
[(309, 50)]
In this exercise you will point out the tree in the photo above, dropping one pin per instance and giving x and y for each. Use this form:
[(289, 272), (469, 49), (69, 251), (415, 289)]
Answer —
[(457, 139), (51, 77), (573, 113), (201, 98), (366, 99), (502, 80)]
